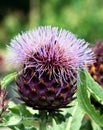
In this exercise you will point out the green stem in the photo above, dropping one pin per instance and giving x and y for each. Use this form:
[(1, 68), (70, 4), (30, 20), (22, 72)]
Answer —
[(43, 120)]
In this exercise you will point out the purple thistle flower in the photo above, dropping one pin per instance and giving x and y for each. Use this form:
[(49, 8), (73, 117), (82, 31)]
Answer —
[(96, 69), (50, 59)]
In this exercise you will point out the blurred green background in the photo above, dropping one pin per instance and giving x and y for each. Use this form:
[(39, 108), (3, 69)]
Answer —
[(82, 17)]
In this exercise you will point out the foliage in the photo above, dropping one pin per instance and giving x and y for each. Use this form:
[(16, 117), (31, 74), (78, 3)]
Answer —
[(7, 79), (84, 99)]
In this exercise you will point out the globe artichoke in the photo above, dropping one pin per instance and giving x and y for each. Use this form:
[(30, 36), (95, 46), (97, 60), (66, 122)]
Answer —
[(49, 61)]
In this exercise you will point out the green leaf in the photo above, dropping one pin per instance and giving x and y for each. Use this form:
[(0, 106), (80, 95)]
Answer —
[(96, 126), (19, 118), (30, 128), (84, 99), (73, 121), (95, 89), (21, 110), (59, 117), (7, 79), (17, 127), (58, 127), (76, 119), (11, 119), (22, 127)]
